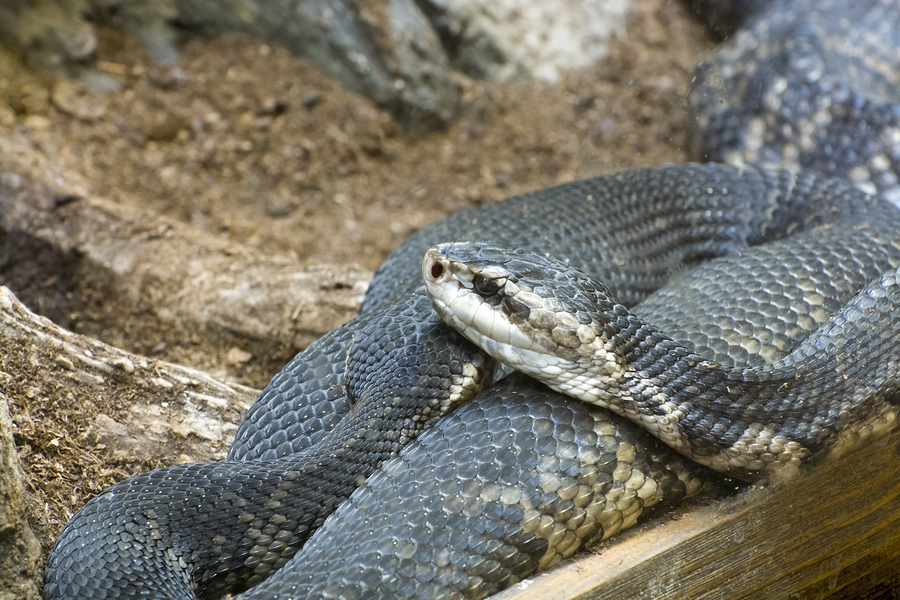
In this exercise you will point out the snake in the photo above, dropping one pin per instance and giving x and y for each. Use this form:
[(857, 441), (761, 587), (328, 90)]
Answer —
[(838, 387), (385, 460), (808, 84)]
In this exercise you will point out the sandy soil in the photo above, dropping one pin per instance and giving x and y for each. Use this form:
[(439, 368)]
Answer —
[(243, 140)]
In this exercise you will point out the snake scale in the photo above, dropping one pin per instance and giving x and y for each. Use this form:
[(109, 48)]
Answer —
[(516, 478), (834, 377)]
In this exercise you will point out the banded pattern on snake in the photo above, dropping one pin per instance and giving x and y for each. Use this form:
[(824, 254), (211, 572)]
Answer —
[(204, 530)]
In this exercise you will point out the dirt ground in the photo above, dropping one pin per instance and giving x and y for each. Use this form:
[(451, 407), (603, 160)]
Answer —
[(245, 141)]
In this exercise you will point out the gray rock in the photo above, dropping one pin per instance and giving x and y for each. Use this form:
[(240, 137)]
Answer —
[(387, 50), (383, 49), (49, 35), (506, 39)]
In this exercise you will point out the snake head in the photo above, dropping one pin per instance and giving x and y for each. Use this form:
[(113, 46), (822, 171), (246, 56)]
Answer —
[(528, 311)]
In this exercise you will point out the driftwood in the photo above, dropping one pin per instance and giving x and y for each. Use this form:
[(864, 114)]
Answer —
[(62, 246), (127, 408), (21, 556), (148, 408)]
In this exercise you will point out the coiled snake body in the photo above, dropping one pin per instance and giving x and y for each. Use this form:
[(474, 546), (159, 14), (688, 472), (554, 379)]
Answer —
[(556, 324), (517, 478)]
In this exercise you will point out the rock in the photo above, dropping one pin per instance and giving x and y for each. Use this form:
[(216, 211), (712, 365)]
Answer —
[(76, 99), (513, 38), (20, 575), (49, 35), (387, 50), (236, 356), (384, 49), (811, 85)]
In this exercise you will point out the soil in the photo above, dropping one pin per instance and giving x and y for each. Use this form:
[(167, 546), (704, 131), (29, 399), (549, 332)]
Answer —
[(247, 142)]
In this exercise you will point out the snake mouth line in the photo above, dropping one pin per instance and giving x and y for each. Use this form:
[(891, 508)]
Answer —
[(455, 293)]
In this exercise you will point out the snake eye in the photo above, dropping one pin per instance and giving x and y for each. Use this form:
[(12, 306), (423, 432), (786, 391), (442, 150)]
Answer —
[(485, 286)]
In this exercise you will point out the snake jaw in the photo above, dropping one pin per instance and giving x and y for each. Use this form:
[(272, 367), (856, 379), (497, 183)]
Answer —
[(456, 296)]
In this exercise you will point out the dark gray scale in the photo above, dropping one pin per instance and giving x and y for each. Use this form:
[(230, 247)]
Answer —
[(838, 381), (215, 528), (509, 483), (596, 225), (308, 398), (838, 384), (755, 306), (301, 403), (630, 228)]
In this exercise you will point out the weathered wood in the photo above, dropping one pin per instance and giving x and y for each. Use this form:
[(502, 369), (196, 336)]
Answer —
[(831, 533), (148, 265), (74, 400), (141, 407), (20, 557)]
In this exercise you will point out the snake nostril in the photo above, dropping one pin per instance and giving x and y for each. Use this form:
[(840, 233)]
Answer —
[(437, 269)]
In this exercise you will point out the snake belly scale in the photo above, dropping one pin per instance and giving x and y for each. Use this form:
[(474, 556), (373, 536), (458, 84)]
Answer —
[(356, 400)]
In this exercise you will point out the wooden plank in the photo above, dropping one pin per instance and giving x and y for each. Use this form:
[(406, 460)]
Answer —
[(831, 533)]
